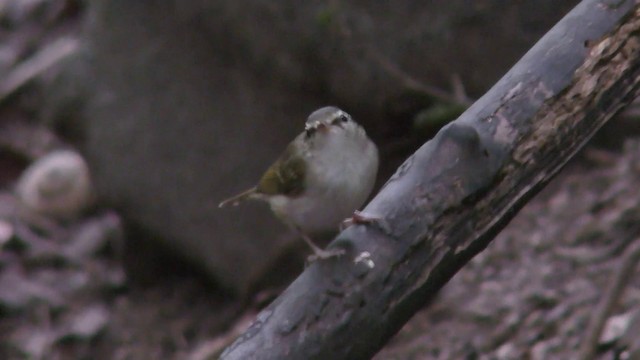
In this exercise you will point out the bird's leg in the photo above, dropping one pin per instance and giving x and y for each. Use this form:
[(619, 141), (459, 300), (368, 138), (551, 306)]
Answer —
[(318, 253)]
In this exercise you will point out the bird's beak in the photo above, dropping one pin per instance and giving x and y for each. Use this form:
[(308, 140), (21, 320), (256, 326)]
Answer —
[(318, 125), (322, 127)]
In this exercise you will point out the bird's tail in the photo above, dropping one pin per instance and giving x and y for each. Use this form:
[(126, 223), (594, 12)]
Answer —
[(237, 199)]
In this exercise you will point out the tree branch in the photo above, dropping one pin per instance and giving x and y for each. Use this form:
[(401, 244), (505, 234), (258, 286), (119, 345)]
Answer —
[(447, 201)]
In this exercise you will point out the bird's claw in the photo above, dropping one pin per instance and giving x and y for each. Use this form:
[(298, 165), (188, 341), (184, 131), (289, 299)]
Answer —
[(320, 254), (359, 217)]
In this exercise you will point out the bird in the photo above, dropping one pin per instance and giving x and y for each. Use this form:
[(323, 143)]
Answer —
[(323, 176)]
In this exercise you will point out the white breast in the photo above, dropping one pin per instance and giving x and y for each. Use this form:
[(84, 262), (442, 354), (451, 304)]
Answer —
[(341, 172)]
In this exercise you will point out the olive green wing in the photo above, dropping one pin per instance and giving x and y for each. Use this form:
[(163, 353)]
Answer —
[(286, 176)]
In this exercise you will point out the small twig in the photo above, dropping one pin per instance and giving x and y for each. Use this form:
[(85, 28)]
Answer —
[(458, 97), (501, 334), (213, 348), (632, 111), (608, 302), (411, 83), (27, 140), (600, 156), (588, 255), (29, 69), (459, 92)]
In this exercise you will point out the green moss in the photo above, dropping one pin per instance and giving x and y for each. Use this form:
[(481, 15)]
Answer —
[(326, 17)]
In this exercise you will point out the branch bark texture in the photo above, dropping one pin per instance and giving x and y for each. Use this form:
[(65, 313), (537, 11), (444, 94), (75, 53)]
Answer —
[(449, 200)]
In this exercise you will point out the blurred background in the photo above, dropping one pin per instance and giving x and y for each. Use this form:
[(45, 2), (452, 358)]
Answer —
[(123, 124)]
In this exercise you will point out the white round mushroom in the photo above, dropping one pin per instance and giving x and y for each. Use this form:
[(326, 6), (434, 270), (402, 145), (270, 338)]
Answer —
[(57, 185)]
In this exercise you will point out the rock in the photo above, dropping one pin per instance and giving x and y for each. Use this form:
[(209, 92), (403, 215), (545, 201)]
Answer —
[(209, 135), (114, 280), (68, 283), (18, 292), (507, 351), (630, 340), (546, 349), (33, 342), (87, 324), (8, 204), (56, 185), (93, 236), (489, 302), (44, 252), (6, 232), (616, 327)]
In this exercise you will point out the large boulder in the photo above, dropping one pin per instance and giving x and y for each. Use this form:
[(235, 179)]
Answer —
[(192, 100)]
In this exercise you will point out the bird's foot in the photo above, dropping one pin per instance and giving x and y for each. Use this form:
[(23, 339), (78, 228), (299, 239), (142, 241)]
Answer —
[(320, 254), (360, 217)]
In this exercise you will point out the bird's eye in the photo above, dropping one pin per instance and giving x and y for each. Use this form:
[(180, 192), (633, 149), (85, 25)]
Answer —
[(340, 119), (309, 132)]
